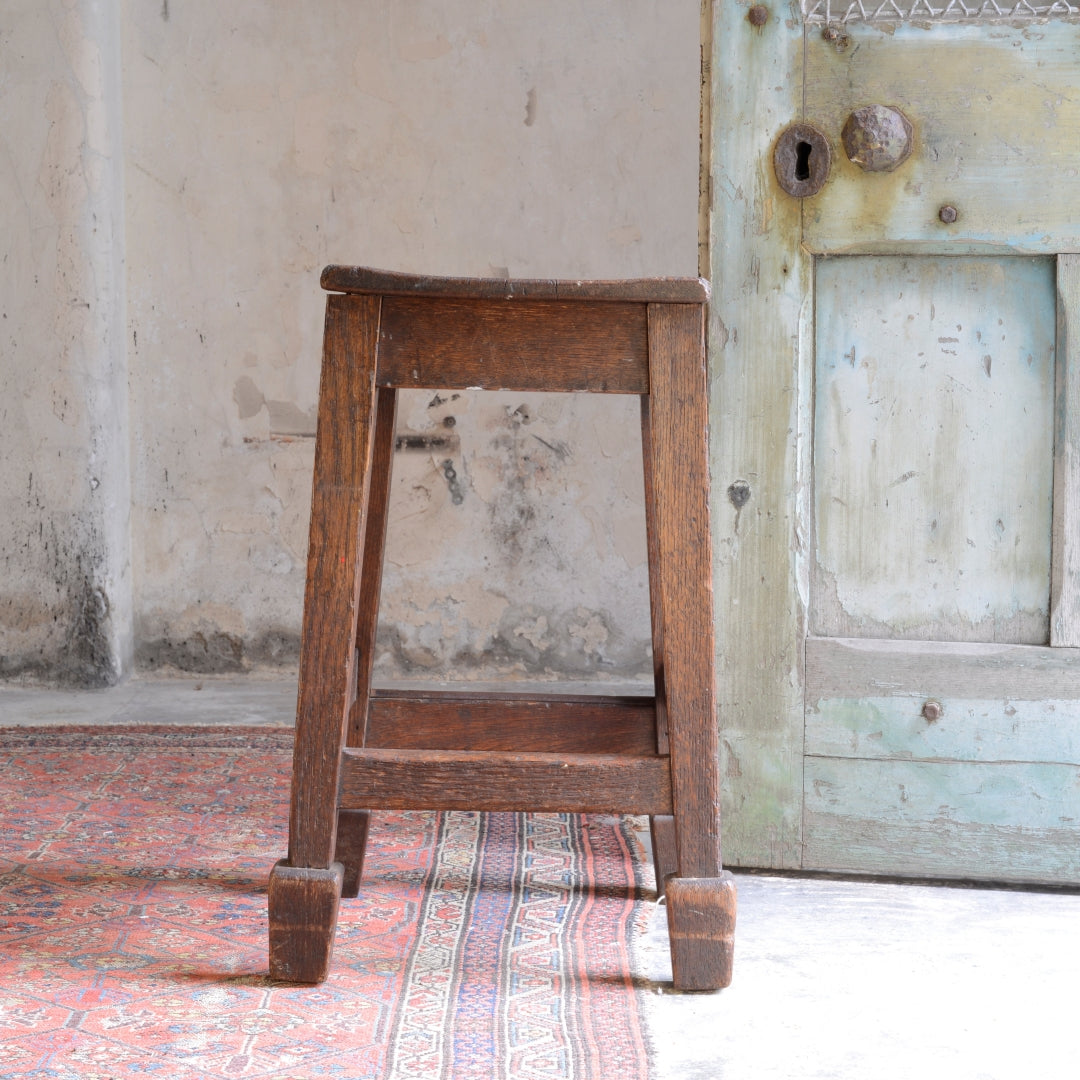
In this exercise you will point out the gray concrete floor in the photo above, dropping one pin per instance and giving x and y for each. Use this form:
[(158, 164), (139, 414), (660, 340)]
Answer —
[(833, 979)]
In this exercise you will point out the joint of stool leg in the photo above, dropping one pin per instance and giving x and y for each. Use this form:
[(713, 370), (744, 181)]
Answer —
[(701, 926), (303, 908)]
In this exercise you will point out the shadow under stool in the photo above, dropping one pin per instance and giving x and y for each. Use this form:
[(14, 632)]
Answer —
[(359, 749)]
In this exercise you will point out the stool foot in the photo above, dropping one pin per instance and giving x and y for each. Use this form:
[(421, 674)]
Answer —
[(303, 906), (665, 850), (352, 834), (701, 926)]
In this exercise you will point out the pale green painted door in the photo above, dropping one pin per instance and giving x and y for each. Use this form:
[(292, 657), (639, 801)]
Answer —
[(896, 408)]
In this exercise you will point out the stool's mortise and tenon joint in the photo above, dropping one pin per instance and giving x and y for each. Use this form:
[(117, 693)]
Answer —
[(359, 749)]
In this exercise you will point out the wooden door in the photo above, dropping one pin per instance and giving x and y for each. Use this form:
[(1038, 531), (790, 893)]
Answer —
[(896, 433)]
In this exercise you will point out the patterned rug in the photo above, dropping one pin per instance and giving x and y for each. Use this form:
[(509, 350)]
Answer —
[(133, 931)]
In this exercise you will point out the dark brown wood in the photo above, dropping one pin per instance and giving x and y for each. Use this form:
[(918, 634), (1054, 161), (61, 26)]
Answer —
[(679, 430), (303, 907), (438, 720), (378, 506), (549, 345), (665, 850), (352, 834), (523, 751), (475, 780), (363, 279), (701, 926), (656, 602), (338, 508)]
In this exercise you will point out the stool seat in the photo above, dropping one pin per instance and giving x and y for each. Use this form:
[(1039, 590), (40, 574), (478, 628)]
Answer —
[(359, 749)]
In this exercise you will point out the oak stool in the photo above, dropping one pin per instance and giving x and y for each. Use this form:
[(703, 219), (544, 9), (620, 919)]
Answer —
[(359, 749)]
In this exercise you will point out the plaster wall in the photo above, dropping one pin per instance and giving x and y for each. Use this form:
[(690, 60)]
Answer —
[(263, 140), (65, 567)]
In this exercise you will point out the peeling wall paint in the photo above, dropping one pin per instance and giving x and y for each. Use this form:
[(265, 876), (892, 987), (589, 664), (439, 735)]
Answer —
[(260, 142), (557, 582), (65, 574), (264, 141)]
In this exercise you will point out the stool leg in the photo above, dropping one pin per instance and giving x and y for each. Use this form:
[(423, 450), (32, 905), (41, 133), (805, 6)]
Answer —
[(303, 916), (353, 825), (701, 899), (665, 852), (661, 827), (352, 834), (367, 615), (304, 890), (701, 926)]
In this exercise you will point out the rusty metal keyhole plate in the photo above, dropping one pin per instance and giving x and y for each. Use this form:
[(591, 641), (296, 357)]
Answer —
[(802, 160)]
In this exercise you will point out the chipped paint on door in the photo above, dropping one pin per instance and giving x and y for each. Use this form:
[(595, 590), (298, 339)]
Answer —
[(933, 448), (995, 111), (898, 583)]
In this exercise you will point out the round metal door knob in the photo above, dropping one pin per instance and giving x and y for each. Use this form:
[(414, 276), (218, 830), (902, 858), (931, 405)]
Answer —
[(877, 138)]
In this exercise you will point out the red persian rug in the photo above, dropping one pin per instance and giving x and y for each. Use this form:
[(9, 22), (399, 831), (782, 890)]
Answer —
[(133, 932)]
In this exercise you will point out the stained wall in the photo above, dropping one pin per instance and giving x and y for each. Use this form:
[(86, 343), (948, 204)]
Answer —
[(252, 143), (65, 555)]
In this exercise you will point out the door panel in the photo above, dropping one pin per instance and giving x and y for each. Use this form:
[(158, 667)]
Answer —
[(942, 759), (933, 448), (996, 114), (942, 819)]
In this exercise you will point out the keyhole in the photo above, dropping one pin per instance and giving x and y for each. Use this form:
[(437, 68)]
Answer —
[(801, 160), (803, 150)]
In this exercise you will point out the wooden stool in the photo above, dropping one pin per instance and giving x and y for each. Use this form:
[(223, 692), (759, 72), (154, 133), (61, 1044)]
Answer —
[(358, 749)]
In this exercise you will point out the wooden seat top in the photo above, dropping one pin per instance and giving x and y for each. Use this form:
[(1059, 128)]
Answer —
[(663, 290)]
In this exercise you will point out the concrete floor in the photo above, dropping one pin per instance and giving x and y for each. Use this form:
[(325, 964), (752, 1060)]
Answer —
[(833, 979)]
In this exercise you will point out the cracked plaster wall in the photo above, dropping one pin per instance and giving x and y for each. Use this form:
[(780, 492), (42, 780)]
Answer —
[(65, 566), (264, 140)]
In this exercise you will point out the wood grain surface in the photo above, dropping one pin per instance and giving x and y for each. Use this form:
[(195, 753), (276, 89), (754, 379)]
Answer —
[(367, 615), (364, 279), (477, 780), (352, 836), (543, 345), (303, 907), (701, 922), (679, 428), (331, 598), (445, 720)]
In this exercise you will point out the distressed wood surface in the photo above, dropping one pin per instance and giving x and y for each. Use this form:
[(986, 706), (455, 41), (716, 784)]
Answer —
[(303, 908), (996, 140), (1017, 821), (759, 393), (509, 721), (352, 837), (478, 780), (933, 448), (656, 605), (544, 345), (365, 279), (679, 463), (331, 598), (997, 135), (665, 849), (701, 923), (378, 513), (1065, 574), (969, 729), (858, 668)]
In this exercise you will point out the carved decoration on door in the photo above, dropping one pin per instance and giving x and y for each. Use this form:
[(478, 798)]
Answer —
[(831, 12)]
